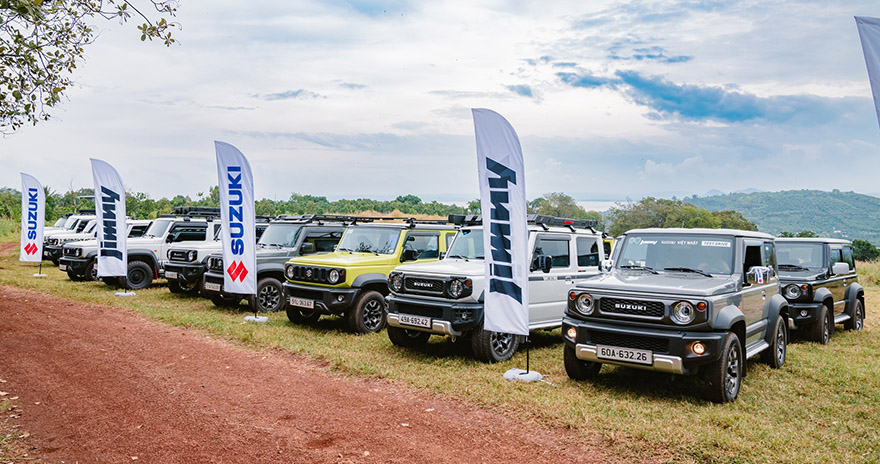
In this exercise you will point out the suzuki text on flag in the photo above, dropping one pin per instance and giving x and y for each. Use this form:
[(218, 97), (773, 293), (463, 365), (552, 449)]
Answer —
[(239, 224), (33, 211)]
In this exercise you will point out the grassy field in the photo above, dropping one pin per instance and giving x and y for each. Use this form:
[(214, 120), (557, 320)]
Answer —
[(820, 407)]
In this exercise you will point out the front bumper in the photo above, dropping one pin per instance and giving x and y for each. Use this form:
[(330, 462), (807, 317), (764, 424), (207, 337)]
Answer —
[(52, 253), (189, 273), (802, 314), (670, 348), (447, 317), (75, 266), (327, 300)]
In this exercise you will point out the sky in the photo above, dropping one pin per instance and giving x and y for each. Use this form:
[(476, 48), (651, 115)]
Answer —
[(611, 100)]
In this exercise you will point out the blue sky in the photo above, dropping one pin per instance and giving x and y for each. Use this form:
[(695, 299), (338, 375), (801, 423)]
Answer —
[(611, 100)]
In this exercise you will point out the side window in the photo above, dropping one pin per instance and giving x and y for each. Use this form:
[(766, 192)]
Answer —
[(554, 248), (606, 247), (449, 238), (324, 240), (588, 251), (137, 231), (770, 257), (848, 257), (428, 245), (752, 258), (185, 233), (835, 256)]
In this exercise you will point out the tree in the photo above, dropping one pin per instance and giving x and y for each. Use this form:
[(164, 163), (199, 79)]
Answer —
[(806, 234), (43, 41), (864, 250), (659, 212)]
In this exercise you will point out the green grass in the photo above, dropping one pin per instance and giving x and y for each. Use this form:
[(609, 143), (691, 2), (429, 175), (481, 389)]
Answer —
[(820, 407), (9, 230)]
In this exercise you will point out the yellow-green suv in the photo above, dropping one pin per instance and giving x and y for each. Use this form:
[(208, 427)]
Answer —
[(353, 280)]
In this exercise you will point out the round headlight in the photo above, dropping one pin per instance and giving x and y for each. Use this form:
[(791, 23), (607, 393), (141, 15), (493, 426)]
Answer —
[(288, 271), (396, 282), (79, 252), (792, 292), (584, 304), (456, 287), (683, 312), (191, 256), (333, 276)]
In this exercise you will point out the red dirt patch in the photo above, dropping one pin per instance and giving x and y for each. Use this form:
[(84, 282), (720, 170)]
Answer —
[(100, 384)]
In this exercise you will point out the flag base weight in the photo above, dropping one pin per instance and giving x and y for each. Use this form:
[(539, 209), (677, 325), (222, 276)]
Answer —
[(523, 375), (124, 294), (260, 319), (40, 275)]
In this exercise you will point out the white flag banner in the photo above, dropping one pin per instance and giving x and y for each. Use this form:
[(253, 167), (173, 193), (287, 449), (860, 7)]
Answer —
[(505, 230), (110, 214), (239, 224), (869, 34), (33, 218)]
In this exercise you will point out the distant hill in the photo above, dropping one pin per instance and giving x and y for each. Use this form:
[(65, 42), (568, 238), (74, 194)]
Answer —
[(831, 214)]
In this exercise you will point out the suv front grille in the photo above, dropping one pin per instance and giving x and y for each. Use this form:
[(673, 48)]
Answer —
[(660, 345), (69, 251), (310, 274), (632, 307), (423, 285), (178, 255), (419, 310), (215, 263)]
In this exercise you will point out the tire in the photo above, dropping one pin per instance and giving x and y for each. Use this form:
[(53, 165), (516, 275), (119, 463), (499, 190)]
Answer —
[(407, 338), (112, 282), (724, 378), (180, 288), (578, 369), (269, 297), (302, 316), (140, 275), (74, 277), (55, 261), (92, 271), (368, 315), (820, 330), (492, 347), (775, 354), (857, 321), (221, 300)]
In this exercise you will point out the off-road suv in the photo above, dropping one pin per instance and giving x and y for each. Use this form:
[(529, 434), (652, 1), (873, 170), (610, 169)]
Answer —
[(187, 261), (52, 245), (286, 237), (819, 279), (85, 269), (681, 301), (446, 297), (353, 280), (74, 224)]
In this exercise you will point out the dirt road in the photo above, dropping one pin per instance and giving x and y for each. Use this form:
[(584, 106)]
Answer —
[(101, 384)]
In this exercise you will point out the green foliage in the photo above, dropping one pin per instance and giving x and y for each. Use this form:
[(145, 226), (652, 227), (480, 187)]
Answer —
[(806, 234), (865, 251), (659, 212), (828, 214), (43, 41), (561, 205)]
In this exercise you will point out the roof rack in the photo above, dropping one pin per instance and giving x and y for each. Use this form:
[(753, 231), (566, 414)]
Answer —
[(84, 211), (321, 218), (539, 219)]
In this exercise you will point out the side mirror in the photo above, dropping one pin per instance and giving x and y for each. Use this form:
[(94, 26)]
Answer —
[(758, 275), (169, 238), (442, 254), (607, 265), (307, 248), (544, 263), (840, 268), (409, 255)]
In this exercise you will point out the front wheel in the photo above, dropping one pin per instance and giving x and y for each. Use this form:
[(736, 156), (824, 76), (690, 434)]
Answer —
[(140, 275), (724, 378), (578, 369), (269, 297), (180, 288), (221, 300), (407, 338), (92, 270), (368, 315), (820, 330), (74, 277), (775, 354), (857, 322), (492, 347)]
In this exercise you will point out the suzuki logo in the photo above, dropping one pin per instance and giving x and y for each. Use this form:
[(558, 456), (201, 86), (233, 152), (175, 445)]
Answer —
[(30, 248), (309, 273), (423, 284), (634, 307), (237, 271)]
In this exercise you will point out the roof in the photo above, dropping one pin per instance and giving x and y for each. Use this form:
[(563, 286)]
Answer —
[(814, 240), (538, 228), (407, 225), (680, 230)]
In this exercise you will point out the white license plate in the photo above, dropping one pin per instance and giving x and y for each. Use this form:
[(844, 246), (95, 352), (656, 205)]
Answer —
[(212, 286), (415, 321), (62, 267), (302, 302), (629, 355), (170, 275)]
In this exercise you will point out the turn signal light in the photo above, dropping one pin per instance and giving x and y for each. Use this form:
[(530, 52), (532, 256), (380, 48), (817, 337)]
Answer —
[(698, 348), (571, 332), (701, 306), (572, 295)]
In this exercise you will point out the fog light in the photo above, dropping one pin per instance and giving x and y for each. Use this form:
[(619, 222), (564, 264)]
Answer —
[(804, 313), (698, 348), (571, 333), (339, 298)]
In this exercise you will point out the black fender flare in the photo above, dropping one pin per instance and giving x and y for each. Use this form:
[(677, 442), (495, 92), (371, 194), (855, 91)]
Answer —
[(147, 256), (853, 292), (727, 317), (372, 278), (822, 295), (776, 306)]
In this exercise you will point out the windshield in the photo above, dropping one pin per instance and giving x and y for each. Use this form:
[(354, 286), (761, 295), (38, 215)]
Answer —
[(280, 234), (712, 254), (799, 255), (158, 228), (370, 240), (59, 222), (468, 244), (90, 227), (71, 222)]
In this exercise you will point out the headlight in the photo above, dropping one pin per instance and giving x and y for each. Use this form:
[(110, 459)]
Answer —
[(793, 292), (78, 252), (456, 287), (191, 256), (396, 282), (683, 313), (288, 271), (333, 276), (168, 254), (584, 304)]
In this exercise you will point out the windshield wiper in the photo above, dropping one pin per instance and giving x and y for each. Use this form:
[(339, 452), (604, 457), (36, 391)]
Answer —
[(687, 269), (457, 257), (344, 249), (794, 266), (640, 268)]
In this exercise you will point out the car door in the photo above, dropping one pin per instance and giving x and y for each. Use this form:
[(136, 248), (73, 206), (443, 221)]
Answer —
[(754, 295), (836, 282), (548, 291), (589, 257), (848, 278)]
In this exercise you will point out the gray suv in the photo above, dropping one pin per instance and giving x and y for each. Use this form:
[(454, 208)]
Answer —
[(682, 301), (819, 279)]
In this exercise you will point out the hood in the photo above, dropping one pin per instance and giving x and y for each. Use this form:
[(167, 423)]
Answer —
[(201, 246), (446, 267), (82, 244), (344, 260), (801, 276), (143, 241), (664, 283)]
